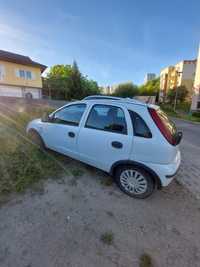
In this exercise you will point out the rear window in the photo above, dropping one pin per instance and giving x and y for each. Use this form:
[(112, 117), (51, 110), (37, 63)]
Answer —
[(140, 128), (167, 122)]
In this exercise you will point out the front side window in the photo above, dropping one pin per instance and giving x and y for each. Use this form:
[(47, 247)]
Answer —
[(70, 115), (139, 126), (107, 118)]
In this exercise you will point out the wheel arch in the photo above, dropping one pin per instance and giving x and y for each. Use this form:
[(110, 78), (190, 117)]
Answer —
[(33, 130), (154, 176)]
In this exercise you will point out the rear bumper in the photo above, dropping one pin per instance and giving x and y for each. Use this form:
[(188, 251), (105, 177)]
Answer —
[(166, 172)]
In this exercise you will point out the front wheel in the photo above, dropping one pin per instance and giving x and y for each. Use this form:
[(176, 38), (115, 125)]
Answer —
[(134, 181), (36, 139)]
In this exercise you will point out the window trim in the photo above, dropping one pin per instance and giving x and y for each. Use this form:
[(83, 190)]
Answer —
[(134, 132), (110, 131), (68, 123)]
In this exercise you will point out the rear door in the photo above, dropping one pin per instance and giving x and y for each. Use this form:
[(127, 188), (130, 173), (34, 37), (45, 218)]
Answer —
[(105, 136)]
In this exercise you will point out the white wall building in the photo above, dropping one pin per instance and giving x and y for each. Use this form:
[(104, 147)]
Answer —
[(196, 88), (149, 77)]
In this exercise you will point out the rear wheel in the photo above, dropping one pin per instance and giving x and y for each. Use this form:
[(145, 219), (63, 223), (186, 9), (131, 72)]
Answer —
[(134, 181), (36, 139)]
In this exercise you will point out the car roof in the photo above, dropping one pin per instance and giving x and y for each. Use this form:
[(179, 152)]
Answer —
[(117, 100)]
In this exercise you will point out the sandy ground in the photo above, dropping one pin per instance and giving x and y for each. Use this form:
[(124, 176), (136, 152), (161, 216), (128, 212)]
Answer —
[(61, 224)]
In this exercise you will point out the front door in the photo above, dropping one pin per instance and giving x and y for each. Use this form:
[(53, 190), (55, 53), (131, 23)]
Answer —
[(105, 137), (62, 132)]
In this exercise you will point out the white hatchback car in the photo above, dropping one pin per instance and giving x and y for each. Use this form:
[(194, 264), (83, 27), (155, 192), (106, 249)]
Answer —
[(134, 142)]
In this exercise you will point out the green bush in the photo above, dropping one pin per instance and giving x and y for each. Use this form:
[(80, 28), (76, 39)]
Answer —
[(151, 88), (181, 93), (126, 90), (196, 114)]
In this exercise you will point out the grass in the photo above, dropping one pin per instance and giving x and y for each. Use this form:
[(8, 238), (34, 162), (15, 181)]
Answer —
[(182, 112), (145, 260), (107, 238), (77, 172), (21, 163)]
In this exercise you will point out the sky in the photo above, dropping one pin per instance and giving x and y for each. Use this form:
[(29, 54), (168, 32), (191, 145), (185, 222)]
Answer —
[(113, 41)]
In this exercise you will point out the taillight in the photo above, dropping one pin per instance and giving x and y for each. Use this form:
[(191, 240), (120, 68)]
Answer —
[(162, 127)]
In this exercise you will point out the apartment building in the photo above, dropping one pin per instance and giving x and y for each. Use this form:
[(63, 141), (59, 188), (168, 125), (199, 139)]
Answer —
[(20, 76), (181, 74), (196, 88), (149, 77)]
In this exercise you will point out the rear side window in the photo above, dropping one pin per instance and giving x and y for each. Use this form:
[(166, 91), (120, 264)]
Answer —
[(140, 128), (108, 118)]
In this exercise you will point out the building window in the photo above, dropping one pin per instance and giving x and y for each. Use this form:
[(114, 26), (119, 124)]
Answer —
[(22, 74), (2, 72), (28, 75)]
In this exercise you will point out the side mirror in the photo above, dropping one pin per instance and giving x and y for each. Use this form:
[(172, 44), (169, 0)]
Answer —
[(45, 117)]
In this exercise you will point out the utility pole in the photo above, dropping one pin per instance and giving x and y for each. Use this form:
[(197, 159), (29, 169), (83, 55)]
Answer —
[(176, 88)]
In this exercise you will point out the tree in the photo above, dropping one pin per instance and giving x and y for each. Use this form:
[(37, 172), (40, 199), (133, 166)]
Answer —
[(180, 91), (59, 71), (57, 81), (126, 90), (75, 84), (90, 87), (151, 88), (67, 82)]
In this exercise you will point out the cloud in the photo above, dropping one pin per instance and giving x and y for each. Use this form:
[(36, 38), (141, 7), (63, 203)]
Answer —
[(23, 42), (7, 31)]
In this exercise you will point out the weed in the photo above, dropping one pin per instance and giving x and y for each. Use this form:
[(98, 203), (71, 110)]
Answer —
[(107, 238), (145, 260), (108, 181), (21, 162), (77, 172), (178, 182)]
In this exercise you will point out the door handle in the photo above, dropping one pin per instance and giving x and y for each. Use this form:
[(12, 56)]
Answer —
[(117, 144), (71, 134)]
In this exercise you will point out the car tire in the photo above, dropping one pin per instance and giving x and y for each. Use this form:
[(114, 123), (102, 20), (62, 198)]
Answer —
[(36, 139), (134, 181)]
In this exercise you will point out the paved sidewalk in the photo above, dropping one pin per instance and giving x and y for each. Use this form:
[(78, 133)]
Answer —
[(189, 174)]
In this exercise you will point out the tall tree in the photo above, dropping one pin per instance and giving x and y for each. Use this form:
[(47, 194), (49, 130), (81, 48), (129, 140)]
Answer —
[(76, 89)]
